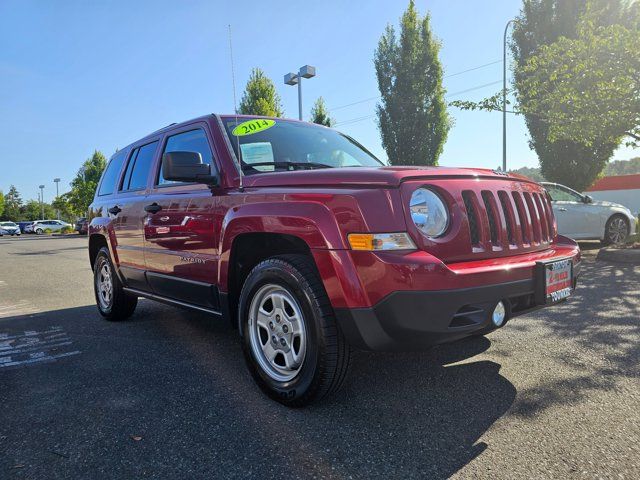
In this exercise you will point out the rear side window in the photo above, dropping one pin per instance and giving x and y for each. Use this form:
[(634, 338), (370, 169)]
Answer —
[(191, 141), (137, 172), (111, 173)]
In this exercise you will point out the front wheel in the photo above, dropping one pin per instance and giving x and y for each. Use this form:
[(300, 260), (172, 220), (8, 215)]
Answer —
[(616, 230), (39, 231), (291, 342), (113, 302)]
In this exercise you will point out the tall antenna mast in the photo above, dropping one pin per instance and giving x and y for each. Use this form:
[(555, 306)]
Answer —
[(235, 107)]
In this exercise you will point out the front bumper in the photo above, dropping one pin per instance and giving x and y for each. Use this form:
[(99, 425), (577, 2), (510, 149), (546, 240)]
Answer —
[(413, 320)]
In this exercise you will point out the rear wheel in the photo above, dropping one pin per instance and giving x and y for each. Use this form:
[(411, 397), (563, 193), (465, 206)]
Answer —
[(616, 230), (112, 301), (291, 342)]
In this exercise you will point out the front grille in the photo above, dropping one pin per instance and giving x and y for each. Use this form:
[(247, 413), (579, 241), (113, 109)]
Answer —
[(520, 220), (472, 217)]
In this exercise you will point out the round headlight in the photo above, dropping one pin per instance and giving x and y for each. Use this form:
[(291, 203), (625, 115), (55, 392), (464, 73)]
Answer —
[(429, 212)]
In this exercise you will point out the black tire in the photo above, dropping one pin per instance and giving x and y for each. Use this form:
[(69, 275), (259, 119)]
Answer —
[(327, 356), (39, 231), (608, 234), (121, 305)]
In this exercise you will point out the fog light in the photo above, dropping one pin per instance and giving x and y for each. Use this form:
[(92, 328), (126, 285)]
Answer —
[(499, 314)]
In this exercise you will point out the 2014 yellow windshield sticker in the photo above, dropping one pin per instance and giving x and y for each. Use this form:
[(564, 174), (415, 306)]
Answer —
[(253, 126)]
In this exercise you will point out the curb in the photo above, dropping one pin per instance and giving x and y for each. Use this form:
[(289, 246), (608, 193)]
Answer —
[(620, 255)]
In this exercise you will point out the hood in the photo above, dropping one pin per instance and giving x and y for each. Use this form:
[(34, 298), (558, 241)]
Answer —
[(604, 203), (390, 177)]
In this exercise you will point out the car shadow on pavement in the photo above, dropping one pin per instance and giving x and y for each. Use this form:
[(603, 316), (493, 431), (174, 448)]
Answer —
[(176, 380), (602, 323)]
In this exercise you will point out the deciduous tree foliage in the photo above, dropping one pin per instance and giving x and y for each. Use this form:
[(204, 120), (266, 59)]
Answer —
[(83, 186), (593, 94), (320, 114), (32, 210), (1, 204), (566, 159), (412, 114), (260, 96)]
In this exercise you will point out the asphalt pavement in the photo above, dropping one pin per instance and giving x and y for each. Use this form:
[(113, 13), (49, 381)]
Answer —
[(555, 394)]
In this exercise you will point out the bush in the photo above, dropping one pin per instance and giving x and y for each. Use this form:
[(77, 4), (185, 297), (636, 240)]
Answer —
[(67, 229), (47, 231)]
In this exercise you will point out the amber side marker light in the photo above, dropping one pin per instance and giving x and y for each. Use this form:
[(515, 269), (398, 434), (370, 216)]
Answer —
[(381, 241)]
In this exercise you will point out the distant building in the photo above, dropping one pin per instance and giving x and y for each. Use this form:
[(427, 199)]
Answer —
[(622, 189)]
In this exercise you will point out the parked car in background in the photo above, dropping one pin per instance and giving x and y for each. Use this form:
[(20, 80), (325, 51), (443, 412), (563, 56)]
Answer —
[(9, 228), (23, 226), (82, 226), (39, 226), (582, 218)]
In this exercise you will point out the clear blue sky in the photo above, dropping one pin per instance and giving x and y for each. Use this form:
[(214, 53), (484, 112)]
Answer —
[(77, 76)]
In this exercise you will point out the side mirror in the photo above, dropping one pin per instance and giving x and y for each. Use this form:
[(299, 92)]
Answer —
[(588, 199), (187, 167)]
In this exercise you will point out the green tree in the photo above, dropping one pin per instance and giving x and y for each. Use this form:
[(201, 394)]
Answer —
[(591, 85), (320, 114), (32, 210), (260, 96), (83, 186), (544, 27), (532, 173), (541, 37), (623, 167), (61, 204), (1, 203), (12, 204), (412, 114)]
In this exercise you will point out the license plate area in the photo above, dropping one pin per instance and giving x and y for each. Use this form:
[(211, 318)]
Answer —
[(554, 281)]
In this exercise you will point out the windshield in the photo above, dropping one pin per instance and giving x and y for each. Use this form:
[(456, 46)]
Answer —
[(268, 145), (7, 224)]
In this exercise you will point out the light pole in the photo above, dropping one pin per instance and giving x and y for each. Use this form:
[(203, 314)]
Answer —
[(41, 187), (57, 181), (296, 78), (504, 95)]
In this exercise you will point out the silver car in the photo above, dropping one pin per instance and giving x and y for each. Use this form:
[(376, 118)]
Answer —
[(582, 218), (9, 228), (39, 226)]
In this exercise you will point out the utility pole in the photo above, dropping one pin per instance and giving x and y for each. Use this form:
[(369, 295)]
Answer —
[(41, 187), (504, 95), (57, 181)]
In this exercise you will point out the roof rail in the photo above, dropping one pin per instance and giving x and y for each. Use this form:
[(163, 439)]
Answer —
[(160, 129)]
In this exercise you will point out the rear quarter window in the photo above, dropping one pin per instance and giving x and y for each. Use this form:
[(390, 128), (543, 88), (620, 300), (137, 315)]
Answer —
[(111, 174), (139, 166)]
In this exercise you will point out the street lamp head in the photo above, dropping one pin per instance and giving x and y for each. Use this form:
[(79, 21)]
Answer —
[(41, 186), (291, 79), (56, 180), (307, 71)]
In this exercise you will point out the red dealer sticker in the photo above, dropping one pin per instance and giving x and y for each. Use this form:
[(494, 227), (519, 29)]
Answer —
[(558, 280)]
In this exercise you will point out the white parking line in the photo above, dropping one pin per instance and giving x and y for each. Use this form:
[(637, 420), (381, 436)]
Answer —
[(31, 347)]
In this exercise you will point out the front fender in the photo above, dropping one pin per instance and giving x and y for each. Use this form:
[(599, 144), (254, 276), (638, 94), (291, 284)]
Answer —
[(312, 222)]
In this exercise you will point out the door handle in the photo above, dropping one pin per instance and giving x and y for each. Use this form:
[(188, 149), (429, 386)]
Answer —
[(153, 208), (115, 210), (562, 209)]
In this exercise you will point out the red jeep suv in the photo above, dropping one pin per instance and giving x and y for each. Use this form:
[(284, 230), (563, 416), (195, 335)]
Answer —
[(311, 246)]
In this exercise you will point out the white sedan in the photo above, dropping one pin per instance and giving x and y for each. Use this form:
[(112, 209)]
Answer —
[(581, 218), (39, 226)]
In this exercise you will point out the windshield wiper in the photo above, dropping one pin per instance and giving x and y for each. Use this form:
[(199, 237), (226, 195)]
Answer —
[(287, 165)]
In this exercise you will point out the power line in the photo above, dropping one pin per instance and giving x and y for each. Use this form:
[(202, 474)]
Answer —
[(478, 87), (445, 76)]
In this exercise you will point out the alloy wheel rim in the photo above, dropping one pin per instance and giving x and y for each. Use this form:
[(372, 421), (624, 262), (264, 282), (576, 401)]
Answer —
[(277, 332), (104, 284), (618, 230)]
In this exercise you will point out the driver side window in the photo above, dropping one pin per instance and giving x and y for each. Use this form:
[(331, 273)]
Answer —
[(561, 195)]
